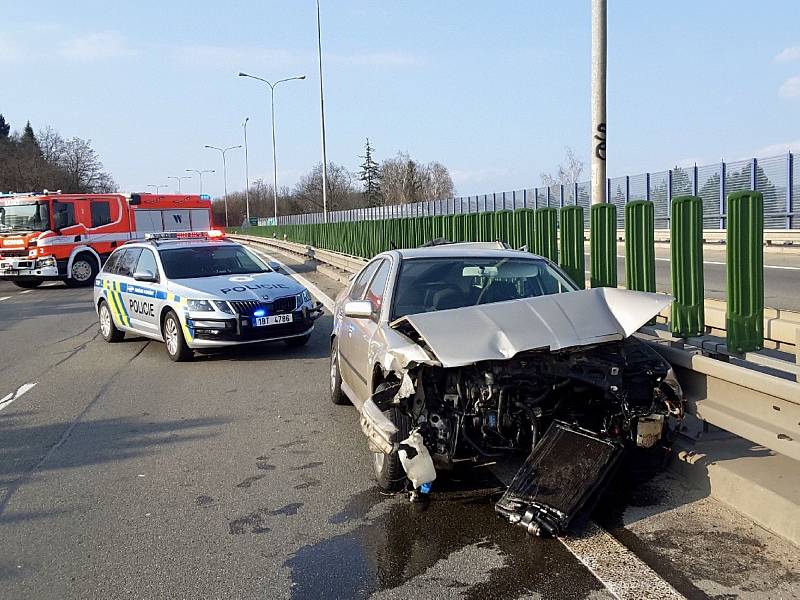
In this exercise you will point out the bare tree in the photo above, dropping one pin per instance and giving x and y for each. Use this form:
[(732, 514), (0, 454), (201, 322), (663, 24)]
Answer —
[(404, 180), (568, 172), (341, 190)]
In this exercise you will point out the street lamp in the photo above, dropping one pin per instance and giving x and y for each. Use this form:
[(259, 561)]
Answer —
[(322, 119), (200, 175), (246, 172), (158, 187), (274, 159), (224, 173), (178, 179)]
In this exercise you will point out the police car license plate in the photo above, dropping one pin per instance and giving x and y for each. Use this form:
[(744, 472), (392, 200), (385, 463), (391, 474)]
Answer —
[(273, 320)]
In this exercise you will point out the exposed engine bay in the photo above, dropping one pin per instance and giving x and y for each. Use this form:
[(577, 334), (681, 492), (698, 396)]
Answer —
[(621, 393)]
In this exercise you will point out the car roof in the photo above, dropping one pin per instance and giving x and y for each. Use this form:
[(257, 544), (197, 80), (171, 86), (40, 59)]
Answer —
[(463, 251), (169, 244)]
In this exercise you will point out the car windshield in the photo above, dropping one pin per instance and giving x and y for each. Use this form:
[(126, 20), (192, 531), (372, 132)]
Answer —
[(431, 284), (210, 261), (30, 216)]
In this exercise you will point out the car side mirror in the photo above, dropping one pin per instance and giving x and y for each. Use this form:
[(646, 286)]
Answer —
[(146, 275), (274, 266), (358, 309)]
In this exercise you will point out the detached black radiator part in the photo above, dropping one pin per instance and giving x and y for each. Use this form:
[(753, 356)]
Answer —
[(566, 470)]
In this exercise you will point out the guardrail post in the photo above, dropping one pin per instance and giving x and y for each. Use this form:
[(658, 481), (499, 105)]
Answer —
[(686, 249), (744, 319), (603, 244), (571, 257), (640, 252), (546, 233)]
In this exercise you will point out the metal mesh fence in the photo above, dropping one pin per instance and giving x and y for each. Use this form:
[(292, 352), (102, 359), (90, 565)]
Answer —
[(777, 177)]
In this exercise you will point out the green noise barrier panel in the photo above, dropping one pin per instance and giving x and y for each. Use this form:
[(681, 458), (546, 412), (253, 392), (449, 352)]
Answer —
[(546, 236), (686, 258), (744, 319), (571, 258), (640, 249), (603, 244)]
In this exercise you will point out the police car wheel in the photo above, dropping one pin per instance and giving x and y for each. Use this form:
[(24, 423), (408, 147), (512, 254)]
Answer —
[(82, 272), (337, 395), (173, 338), (297, 341), (108, 330)]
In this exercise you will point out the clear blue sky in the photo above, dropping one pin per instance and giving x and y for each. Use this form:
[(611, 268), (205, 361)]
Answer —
[(493, 90)]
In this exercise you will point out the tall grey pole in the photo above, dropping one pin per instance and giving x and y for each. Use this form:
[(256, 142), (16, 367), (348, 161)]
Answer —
[(599, 128), (246, 172), (223, 151), (274, 157), (322, 118), (200, 176)]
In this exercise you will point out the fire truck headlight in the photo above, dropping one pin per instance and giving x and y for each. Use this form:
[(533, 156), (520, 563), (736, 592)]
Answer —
[(47, 261), (199, 306)]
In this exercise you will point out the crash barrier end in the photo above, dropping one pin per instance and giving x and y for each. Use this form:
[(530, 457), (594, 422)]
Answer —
[(603, 243)]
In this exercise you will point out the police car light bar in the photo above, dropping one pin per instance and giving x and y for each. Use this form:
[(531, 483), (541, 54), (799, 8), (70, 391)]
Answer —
[(211, 234)]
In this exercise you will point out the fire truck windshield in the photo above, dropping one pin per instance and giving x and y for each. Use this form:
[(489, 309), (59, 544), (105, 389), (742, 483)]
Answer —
[(30, 216)]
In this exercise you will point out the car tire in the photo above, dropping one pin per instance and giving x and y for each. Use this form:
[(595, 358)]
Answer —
[(82, 271), (175, 343), (389, 471), (338, 397), (296, 342), (108, 329), (28, 285)]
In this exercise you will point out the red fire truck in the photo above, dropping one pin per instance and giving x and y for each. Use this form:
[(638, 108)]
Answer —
[(50, 236)]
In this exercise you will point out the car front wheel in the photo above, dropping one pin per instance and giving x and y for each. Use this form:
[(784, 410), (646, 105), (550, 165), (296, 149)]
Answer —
[(337, 395), (177, 349), (389, 471)]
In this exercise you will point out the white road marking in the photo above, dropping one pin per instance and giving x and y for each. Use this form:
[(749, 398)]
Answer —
[(326, 300), (4, 298), (15, 395), (716, 262), (623, 573), (25, 292)]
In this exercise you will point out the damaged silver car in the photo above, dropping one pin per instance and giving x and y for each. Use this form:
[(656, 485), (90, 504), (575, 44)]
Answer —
[(463, 353)]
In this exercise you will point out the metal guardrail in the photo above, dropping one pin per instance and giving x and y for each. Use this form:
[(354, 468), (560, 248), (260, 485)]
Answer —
[(736, 396)]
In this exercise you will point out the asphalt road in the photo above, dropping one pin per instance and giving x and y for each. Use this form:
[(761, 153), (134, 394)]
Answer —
[(781, 275), (125, 475)]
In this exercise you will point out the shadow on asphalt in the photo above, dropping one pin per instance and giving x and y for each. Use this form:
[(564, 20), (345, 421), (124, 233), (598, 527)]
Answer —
[(94, 442)]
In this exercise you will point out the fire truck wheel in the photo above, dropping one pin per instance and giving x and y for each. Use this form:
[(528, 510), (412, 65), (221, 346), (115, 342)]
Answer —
[(173, 338), (83, 271), (108, 330), (28, 285)]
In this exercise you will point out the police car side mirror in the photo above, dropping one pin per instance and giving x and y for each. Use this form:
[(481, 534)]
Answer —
[(358, 309), (146, 275), (274, 266)]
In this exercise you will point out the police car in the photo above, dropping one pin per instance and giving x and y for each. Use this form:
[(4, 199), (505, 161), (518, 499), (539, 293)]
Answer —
[(196, 290)]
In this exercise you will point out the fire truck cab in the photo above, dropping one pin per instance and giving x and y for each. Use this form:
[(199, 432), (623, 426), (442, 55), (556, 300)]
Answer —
[(52, 236)]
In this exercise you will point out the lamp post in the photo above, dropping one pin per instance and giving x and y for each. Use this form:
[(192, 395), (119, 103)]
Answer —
[(599, 128), (158, 187), (246, 172), (200, 175), (223, 151), (274, 158), (322, 119), (178, 179)]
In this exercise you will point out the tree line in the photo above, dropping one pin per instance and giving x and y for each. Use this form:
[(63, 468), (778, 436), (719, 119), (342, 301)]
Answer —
[(396, 180), (44, 160)]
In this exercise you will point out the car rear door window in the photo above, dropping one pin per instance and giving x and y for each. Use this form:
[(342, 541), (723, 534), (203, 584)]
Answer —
[(110, 265), (127, 262)]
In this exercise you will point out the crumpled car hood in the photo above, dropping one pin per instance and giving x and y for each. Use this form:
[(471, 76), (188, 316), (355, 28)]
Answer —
[(499, 331)]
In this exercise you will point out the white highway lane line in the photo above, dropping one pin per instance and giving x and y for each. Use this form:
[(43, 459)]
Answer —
[(716, 262), (15, 395), (315, 291), (25, 292), (4, 298), (623, 573)]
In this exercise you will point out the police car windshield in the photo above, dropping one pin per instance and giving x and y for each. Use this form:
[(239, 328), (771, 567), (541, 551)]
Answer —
[(209, 261)]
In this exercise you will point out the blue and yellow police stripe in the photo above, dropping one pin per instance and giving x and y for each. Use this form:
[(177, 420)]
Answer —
[(118, 310)]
